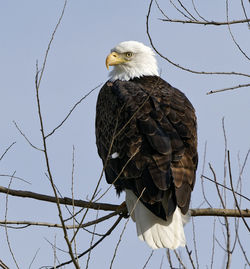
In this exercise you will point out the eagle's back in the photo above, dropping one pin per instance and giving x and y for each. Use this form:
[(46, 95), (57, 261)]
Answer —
[(146, 137)]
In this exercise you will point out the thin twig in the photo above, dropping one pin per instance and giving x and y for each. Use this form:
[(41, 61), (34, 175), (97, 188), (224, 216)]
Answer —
[(245, 13), (181, 12), (162, 12), (228, 235), (219, 184), (53, 245), (120, 173), (220, 245), (32, 145), (8, 148), (94, 245), (213, 245), (243, 251), (6, 229), (195, 244), (38, 80), (124, 228), (54, 250), (197, 12), (202, 173), (54, 225), (244, 163), (169, 259), (95, 193), (91, 242), (214, 23), (148, 259), (162, 259), (34, 258), (179, 259), (71, 110), (189, 252), (225, 159), (181, 4), (232, 36), (228, 89), (235, 199), (72, 194), (19, 178)]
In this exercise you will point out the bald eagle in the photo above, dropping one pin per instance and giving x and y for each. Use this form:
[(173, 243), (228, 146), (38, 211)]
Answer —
[(146, 136)]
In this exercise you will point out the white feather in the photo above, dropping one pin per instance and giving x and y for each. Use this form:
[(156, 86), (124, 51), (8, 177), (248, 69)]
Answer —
[(115, 155), (156, 232)]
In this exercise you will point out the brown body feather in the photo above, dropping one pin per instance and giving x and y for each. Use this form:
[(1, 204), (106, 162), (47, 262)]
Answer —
[(152, 127)]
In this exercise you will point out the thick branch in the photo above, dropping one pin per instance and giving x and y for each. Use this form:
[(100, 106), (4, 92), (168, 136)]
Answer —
[(119, 209), (64, 201), (219, 212), (2, 265)]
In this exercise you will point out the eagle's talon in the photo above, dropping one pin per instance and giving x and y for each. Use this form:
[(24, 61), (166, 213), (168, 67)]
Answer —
[(123, 211)]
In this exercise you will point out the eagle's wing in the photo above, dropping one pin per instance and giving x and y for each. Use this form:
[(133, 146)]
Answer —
[(146, 137)]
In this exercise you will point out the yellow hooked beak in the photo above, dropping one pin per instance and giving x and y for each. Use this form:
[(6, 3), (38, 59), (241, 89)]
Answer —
[(114, 58)]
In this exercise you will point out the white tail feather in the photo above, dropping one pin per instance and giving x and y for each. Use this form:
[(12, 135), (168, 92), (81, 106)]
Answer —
[(156, 232)]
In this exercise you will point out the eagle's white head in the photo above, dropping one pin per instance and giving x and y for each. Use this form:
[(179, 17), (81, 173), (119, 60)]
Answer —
[(131, 59)]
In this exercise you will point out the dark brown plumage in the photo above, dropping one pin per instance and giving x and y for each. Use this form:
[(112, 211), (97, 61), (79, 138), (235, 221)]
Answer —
[(152, 126)]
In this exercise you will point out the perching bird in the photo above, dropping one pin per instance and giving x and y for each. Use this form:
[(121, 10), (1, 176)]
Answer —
[(146, 136)]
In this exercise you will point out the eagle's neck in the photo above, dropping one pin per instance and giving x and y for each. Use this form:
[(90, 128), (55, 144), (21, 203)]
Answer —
[(138, 69)]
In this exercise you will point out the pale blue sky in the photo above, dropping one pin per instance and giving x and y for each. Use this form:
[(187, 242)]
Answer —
[(75, 65)]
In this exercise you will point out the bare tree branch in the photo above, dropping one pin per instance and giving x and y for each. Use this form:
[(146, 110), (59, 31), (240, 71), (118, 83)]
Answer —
[(197, 12), (180, 11), (32, 145), (14, 177), (179, 259), (148, 259), (124, 228), (55, 225), (195, 244), (64, 201), (202, 173), (189, 252), (94, 245), (245, 13), (6, 229), (72, 109), (235, 199), (228, 89), (34, 258), (179, 66), (217, 183), (117, 208), (232, 36), (215, 23), (39, 78), (213, 244), (169, 259), (8, 148), (91, 242), (3, 265), (219, 212)]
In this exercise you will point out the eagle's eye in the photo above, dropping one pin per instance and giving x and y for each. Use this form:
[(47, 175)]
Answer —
[(129, 54)]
